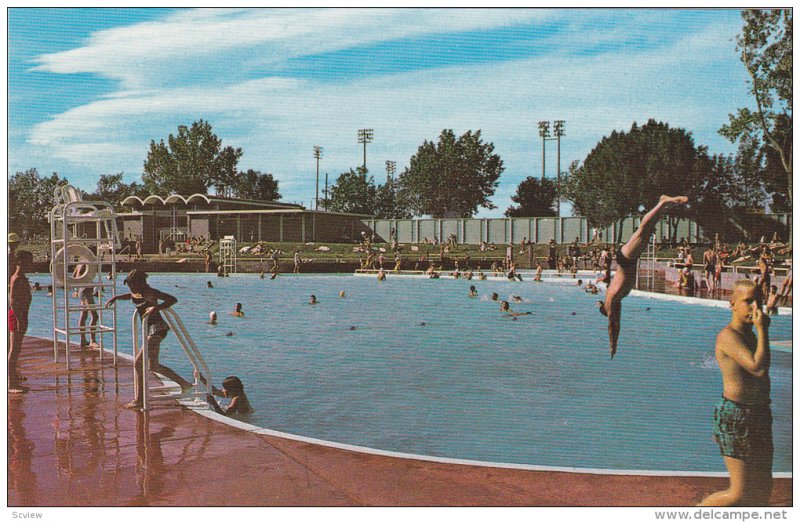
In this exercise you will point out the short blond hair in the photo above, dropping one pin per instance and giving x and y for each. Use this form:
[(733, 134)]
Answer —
[(742, 284)]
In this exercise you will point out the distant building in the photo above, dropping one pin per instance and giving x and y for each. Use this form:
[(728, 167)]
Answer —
[(156, 218)]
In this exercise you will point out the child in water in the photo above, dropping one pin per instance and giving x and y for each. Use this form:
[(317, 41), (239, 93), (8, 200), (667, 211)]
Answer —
[(238, 311), (233, 389)]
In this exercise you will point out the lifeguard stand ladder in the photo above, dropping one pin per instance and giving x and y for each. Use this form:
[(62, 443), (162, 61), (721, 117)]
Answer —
[(227, 254), (83, 246), (647, 281)]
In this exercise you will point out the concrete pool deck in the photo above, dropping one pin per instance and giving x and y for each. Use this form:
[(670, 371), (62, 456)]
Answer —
[(70, 443)]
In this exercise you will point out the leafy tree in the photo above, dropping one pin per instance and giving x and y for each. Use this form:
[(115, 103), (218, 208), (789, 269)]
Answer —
[(535, 197), (255, 185), (388, 205), (627, 172), (111, 188), (190, 162), (452, 177), (30, 199), (353, 192), (765, 47)]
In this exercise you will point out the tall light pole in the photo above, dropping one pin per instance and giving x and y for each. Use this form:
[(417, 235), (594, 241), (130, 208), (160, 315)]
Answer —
[(544, 133), (365, 136), (391, 168), (326, 192), (558, 130), (318, 155)]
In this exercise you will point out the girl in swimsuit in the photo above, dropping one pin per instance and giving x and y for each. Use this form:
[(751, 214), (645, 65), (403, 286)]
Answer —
[(146, 300)]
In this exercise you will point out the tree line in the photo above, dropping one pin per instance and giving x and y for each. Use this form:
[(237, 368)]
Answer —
[(454, 176)]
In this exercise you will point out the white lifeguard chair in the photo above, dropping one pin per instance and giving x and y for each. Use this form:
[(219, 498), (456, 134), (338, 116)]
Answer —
[(227, 254), (83, 246)]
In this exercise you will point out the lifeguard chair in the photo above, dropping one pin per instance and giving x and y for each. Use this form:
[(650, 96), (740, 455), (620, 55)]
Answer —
[(83, 246)]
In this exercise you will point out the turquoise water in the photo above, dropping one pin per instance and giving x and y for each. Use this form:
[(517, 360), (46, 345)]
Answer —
[(470, 383)]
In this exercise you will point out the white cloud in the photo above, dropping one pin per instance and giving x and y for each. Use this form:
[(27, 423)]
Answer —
[(277, 120)]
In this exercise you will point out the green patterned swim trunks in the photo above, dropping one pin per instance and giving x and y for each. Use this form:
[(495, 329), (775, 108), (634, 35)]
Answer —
[(743, 432)]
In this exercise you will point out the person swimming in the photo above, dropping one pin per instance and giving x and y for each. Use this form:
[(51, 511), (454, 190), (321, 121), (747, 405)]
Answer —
[(237, 312), (495, 297), (381, 275), (341, 294), (209, 284), (473, 291), (506, 309), (261, 274), (233, 389), (212, 317), (313, 300)]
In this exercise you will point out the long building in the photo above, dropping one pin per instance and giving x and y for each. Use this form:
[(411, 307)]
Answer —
[(154, 218)]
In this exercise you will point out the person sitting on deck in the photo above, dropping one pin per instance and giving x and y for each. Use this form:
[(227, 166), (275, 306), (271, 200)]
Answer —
[(625, 276)]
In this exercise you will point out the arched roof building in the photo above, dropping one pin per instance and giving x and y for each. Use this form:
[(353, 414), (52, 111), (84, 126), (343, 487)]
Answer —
[(154, 218)]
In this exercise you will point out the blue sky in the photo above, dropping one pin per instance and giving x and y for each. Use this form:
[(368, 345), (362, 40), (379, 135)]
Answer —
[(89, 88)]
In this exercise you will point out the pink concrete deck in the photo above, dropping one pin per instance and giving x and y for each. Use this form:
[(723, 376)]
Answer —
[(70, 443)]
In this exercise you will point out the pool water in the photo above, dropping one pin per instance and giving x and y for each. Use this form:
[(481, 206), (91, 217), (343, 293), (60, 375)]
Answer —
[(469, 383)]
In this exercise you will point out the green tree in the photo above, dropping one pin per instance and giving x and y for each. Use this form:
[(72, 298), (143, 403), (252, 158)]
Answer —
[(627, 172), (190, 162), (388, 205), (535, 197), (765, 49), (353, 192), (30, 199), (255, 185), (112, 189), (452, 177)]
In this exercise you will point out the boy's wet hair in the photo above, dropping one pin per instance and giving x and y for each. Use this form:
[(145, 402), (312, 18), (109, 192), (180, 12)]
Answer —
[(233, 383)]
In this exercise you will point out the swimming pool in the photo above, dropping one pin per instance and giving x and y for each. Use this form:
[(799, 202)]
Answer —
[(469, 383)]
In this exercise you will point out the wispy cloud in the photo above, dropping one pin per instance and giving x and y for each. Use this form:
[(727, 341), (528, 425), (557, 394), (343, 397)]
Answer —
[(277, 120)]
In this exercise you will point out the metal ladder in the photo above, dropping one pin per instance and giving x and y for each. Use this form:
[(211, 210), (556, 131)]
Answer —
[(84, 234), (227, 254), (200, 368), (647, 262)]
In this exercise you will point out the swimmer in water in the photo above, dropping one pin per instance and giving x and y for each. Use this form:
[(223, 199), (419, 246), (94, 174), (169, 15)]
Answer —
[(274, 275), (232, 388), (580, 282), (627, 257), (506, 309), (237, 312), (352, 328), (212, 318), (209, 285), (495, 297), (381, 275), (261, 275), (341, 294), (517, 299), (313, 299), (473, 291), (590, 288)]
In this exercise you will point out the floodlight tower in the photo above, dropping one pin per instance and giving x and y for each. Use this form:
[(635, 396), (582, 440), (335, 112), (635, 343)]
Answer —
[(558, 130), (365, 136), (391, 168), (317, 155), (544, 133)]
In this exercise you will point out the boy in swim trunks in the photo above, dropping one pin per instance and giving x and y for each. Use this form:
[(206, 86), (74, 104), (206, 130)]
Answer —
[(742, 418), (19, 304), (627, 257)]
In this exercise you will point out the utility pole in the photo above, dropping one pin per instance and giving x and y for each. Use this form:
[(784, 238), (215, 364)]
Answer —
[(318, 155), (544, 133), (365, 136), (326, 192), (558, 128), (391, 168)]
